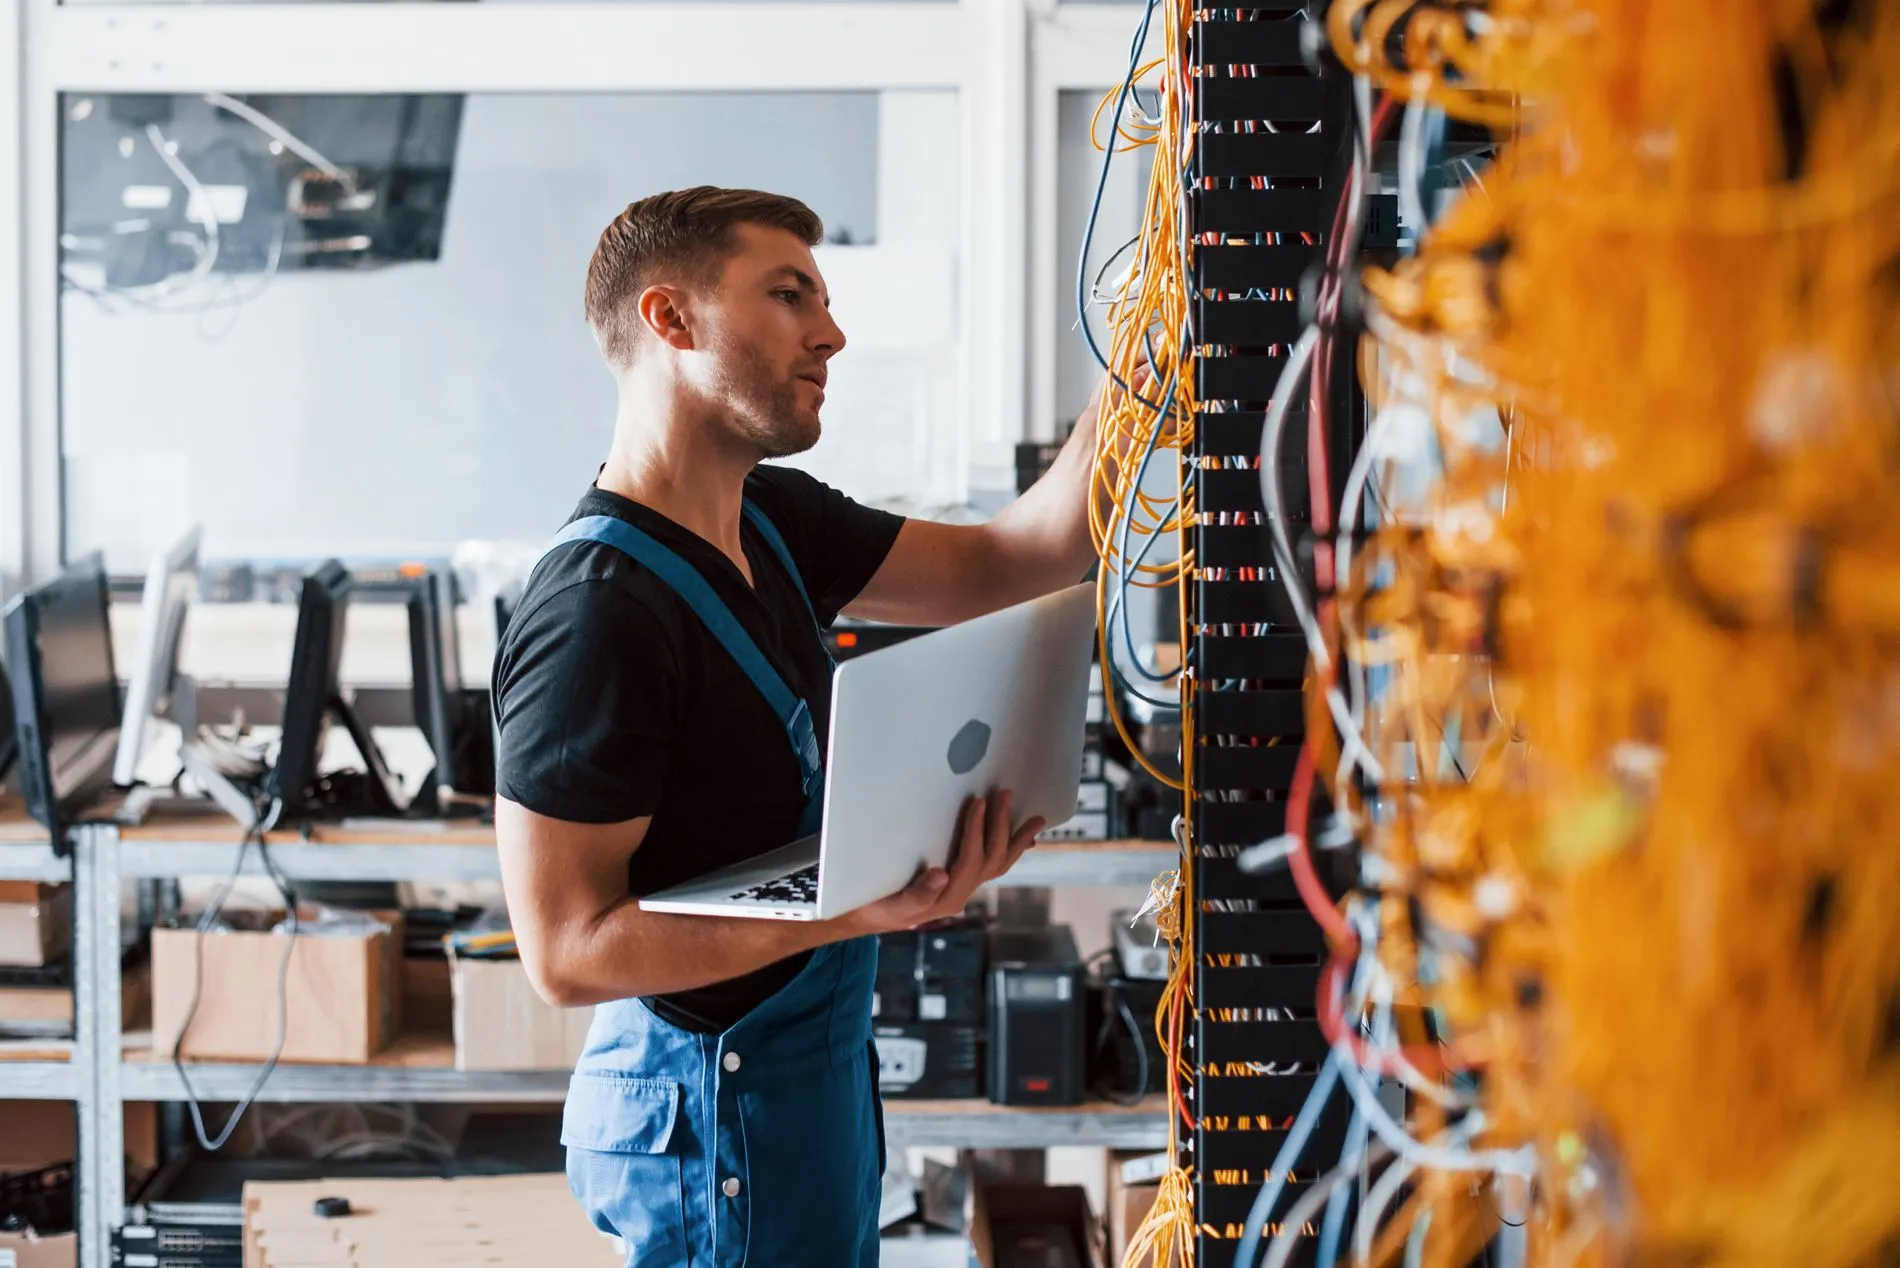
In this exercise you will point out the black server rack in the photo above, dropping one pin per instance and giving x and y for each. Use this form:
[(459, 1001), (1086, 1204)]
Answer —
[(1271, 159)]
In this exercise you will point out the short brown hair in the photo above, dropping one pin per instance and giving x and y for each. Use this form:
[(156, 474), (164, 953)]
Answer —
[(687, 232)]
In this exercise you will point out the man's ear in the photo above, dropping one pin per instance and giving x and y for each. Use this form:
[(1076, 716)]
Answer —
[(665, 314)]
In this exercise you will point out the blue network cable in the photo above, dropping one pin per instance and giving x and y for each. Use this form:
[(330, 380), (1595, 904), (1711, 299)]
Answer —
[(1269, 1195)]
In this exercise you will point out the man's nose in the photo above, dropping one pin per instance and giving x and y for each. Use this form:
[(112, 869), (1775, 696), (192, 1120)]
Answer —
[(829, 341)]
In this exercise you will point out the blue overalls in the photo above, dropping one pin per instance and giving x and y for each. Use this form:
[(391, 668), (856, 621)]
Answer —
[(762, 1145)]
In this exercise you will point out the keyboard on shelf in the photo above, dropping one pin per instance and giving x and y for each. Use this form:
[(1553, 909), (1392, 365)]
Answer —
[(799, 887)]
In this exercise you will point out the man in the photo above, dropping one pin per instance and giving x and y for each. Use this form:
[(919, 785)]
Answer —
[(725, 1111)]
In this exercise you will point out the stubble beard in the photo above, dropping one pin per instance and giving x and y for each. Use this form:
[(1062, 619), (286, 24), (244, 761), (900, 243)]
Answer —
[(763, 408)]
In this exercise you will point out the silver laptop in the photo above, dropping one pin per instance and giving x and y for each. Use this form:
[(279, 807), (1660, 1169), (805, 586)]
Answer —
[(994, 703)]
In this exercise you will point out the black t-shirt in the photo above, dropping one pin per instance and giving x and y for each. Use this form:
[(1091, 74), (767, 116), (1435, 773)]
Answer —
[(615, 702)]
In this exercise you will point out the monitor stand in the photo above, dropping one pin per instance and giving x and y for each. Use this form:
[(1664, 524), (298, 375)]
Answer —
[(382, 793)]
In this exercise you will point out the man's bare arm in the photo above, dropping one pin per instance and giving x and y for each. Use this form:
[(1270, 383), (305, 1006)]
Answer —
[(940, 574), (584, 940)]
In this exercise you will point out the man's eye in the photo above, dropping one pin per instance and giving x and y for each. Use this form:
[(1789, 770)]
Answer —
[(789, 296)]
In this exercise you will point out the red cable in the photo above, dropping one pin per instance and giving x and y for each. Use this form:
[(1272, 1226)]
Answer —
[(1299, 806), (1429, 1062)]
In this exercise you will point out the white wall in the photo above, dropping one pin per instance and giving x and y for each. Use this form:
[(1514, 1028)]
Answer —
[(401, 410)]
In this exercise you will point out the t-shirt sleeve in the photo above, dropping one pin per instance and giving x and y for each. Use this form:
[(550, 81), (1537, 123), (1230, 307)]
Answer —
[(838, 543), (587, 699)]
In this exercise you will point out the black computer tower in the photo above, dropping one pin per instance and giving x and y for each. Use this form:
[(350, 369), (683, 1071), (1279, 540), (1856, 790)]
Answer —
[(1038, 1018)]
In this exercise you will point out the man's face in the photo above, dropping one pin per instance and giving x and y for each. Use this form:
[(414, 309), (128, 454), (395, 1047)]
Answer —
[(767, 332)]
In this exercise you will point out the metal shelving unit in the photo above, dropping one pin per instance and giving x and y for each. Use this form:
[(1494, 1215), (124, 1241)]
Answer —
[(33, 861), (38, 1081), (156, 1080), (105, 1071), (966, 1124), (1053, 863), (27, 1072), (980, 1125)]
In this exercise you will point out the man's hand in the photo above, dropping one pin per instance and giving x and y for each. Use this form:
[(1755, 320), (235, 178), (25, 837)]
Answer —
[(985, 850)]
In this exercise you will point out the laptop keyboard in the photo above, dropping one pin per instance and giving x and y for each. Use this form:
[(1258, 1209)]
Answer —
[(799, 887)]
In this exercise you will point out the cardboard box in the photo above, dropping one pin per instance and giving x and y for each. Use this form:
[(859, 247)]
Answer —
[(1128, 1205), (1000, 1210), (42, 1134), (501, 1024), (38, 1134), (502, 1220), (36, 922), (427, 1002), (48, 1010), (344, 992), (20, 1251)]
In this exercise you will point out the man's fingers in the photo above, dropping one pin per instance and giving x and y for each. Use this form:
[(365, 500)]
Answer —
[(968, 863), (996, 842), (928, 884), (1024, 838)]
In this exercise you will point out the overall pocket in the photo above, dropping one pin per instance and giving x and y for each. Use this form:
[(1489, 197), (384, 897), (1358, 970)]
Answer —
[(618, 1131)]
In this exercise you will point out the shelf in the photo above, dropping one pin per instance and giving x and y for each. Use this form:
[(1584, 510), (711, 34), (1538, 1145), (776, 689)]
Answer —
[(981, 1125), (26, 851), (469, 855), (1093, 863), (33, 861), (37, 1070), (314, 861), (418, 1068)]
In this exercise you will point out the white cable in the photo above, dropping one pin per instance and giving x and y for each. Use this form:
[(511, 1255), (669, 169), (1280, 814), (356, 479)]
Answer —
[(1362, 110), (1412, 167), (1517, 1162), (1284, 389), (282, 135), (1280, 1249), (1510, 1162), (1384, 1036), (1349, 512), (194, 196), (1370, 981), (1373, 1211), (1354, 751)]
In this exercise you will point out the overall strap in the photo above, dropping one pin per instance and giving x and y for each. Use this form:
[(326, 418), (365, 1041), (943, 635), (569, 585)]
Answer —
[(769, 531), (719, 621)]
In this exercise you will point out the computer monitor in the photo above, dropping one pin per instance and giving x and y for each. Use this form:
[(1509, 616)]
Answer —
[(507, 599), (435, 667), (65, 693), (311, 700), (6, 723), (169, 584), (464, 775)]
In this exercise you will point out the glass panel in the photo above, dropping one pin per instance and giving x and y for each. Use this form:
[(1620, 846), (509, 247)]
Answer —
[(352, 324)]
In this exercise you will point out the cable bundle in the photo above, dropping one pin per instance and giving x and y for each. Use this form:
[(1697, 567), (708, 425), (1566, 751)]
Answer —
[(1147, 408), (1614, 669)]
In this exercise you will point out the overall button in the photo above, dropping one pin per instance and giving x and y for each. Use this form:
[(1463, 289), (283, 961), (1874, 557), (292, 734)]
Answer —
[(731, 1187), (731, 1062)]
